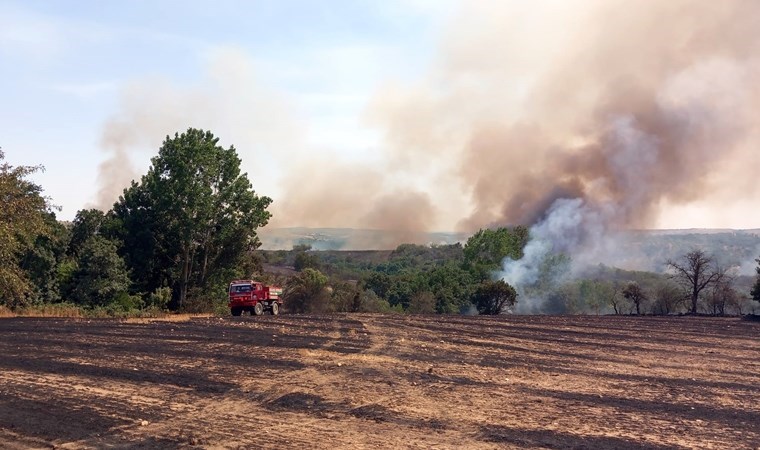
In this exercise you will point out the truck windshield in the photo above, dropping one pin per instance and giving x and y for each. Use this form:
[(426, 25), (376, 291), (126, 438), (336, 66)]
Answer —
[(240, 288)]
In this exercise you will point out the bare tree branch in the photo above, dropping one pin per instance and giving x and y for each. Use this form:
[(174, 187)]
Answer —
[(696, 271)]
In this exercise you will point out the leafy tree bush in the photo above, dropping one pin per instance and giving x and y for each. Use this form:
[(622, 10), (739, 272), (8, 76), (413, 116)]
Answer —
[(160, 298), (493, 297), (101, 275), (307, 292), (371, 303), (422, 303), (486, 250), (451, 285), (380, 283), (125, 302), (305, 260), (346, 297)]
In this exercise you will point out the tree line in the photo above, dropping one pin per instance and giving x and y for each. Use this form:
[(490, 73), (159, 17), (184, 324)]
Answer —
[(175, 238), (415, 279), (456, 278)]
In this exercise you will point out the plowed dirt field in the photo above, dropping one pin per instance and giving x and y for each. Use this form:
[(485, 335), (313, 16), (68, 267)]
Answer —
[(375, 381)]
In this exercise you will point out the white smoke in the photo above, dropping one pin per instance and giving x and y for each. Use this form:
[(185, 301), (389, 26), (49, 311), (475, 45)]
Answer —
[(570, 226)]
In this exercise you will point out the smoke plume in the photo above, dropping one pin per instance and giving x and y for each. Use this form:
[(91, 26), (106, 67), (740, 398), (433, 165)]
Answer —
[(577, 118), (585, 118)]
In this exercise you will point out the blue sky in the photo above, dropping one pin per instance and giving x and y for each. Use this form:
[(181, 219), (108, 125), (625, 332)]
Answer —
[(65, 65)]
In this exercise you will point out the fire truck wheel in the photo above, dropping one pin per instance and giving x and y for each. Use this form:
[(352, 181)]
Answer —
[(236, 311), (258, 309), (275, 309)]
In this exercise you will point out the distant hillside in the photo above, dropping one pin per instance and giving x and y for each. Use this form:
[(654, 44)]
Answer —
[(650, 249), (348, 238), (639, 249)]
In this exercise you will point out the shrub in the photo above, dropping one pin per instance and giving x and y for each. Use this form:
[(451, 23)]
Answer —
[(159, 298), (492, 297), (422, 303)]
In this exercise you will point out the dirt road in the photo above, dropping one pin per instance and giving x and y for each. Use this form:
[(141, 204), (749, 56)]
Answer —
[(373, 381)]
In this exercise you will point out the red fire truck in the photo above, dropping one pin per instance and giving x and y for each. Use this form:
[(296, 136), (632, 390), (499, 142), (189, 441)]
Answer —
[(254, 297)]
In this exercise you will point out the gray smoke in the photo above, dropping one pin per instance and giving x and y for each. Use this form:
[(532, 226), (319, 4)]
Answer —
[(634, 112)]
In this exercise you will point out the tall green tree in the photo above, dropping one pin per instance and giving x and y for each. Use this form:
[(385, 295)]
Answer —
[(486, 250), (42, 261), (22, 220), (192, 216)]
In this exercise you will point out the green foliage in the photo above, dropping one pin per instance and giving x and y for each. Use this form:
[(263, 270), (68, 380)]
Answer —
[(380, 283), (346, 297), (101, 275), (493, 297), (593, 294), (552, 285), (307, 292), (486, 250), (305, 260), (192, 218), (125, 302), (422, 303), (40, 262), (451, 285), (22, 220), (371, 303), (160, 298), (586, 296), (403, 286), (64, 275), (412, 258), (86, 224)]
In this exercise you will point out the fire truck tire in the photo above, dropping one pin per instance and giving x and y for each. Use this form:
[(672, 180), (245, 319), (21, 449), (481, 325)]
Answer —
[(258, 309), (236, 311), (275, 309)]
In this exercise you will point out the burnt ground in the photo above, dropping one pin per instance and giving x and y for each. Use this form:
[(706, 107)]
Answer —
[(369, 381)]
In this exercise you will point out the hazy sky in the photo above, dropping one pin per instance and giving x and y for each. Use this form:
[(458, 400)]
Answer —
[(66, 65), (299, 87)]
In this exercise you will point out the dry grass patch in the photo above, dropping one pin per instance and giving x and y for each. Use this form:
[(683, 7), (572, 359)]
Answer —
[(5, 312), (62, 310), (167, 318)]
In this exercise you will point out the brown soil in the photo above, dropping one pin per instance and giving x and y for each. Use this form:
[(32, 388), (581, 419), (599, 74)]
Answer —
[(373, 381)]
